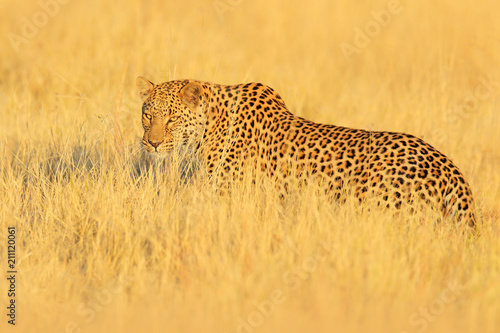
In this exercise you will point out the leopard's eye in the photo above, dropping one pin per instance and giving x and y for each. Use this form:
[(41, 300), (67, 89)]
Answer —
[(174, 119), (148, 116)]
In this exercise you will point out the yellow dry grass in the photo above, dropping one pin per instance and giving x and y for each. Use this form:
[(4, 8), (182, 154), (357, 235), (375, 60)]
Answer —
[(110, 241)]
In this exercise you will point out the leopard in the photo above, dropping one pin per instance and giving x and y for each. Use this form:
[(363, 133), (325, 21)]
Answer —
[(246, 128)]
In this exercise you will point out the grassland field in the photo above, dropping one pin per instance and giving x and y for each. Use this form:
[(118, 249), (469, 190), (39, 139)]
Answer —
[(110, 240)]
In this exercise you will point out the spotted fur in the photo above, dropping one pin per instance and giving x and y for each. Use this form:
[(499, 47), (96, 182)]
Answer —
[(248, 127)]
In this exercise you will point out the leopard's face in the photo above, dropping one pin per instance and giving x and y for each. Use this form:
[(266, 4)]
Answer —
[(165, 126), (172, 115)]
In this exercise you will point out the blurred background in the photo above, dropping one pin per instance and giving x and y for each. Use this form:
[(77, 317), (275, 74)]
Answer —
[(427, 69)]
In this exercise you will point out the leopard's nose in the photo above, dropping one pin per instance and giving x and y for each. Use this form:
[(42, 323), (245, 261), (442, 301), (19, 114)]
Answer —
[(154, 143)]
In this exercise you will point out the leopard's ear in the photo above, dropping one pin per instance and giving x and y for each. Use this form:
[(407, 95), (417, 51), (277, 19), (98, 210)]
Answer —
[(144, 86), (191, 94)]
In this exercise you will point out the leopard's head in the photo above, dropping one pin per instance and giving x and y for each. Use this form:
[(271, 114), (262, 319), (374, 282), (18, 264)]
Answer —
[(173, 114)]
